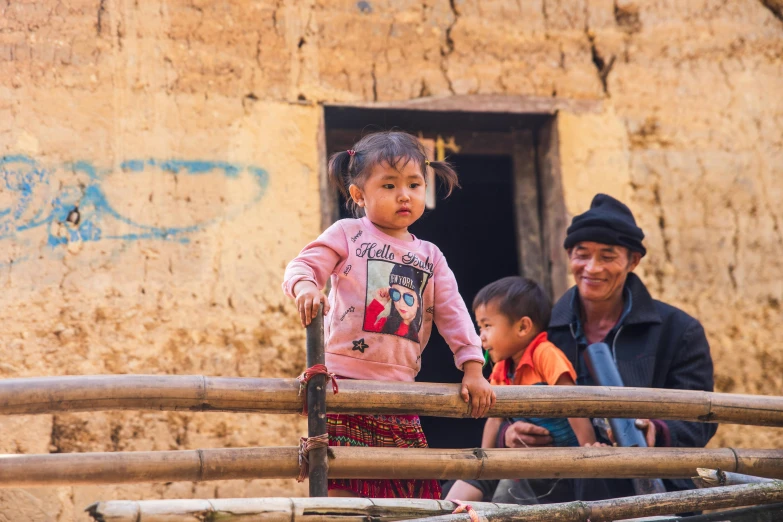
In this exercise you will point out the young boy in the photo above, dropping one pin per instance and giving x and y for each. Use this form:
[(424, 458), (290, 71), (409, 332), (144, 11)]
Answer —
[(512, 314)]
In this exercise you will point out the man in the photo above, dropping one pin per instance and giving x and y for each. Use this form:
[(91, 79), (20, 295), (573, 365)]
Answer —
[(654, 345)]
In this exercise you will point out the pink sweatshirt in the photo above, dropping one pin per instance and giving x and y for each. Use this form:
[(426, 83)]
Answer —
[(385, 294)]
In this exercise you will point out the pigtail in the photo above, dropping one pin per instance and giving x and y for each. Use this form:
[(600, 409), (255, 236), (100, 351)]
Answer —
[(446, 173), (341, 177), (338, 172)]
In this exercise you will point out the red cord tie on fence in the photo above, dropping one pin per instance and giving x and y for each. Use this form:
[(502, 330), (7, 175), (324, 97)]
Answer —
[(316, 369), (463, 507), (305, 445)]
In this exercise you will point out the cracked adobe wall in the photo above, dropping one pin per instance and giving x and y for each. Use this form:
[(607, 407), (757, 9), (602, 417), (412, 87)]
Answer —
[(185, 134)]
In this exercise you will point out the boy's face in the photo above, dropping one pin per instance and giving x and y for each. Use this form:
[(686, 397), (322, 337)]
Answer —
[(499, 336)]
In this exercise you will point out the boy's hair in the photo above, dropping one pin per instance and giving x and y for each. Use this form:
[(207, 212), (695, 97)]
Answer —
[(394, 148), (517, 297)]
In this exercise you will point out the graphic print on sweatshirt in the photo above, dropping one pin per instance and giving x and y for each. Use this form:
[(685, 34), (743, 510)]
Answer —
[(394, 303)]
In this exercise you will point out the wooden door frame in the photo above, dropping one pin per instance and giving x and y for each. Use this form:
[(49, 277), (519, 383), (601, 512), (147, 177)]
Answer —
[(541, 232)]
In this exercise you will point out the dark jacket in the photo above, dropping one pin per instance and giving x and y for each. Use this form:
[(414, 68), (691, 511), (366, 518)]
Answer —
[(657, 346)]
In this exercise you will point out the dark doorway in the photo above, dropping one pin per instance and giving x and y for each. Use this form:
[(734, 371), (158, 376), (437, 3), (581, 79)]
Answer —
[(477, 228), (474, 228)]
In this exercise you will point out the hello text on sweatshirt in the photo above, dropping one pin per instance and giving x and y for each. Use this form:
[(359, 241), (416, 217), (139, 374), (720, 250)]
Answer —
[(385, 294)]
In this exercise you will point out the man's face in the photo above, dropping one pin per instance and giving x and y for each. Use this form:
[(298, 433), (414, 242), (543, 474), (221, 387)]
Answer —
[(600, 270)]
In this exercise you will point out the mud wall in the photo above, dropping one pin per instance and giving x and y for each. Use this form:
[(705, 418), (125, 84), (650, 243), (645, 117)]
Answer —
[(160, 167)]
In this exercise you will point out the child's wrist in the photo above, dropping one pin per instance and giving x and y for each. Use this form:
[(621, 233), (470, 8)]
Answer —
[(299, 287), (471, 368)]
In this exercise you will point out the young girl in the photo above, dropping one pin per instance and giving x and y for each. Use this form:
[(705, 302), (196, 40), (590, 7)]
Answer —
[(387, 289)]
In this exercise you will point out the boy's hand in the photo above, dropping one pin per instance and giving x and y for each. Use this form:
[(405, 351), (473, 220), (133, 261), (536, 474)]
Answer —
[(476, 390), (308, 300)]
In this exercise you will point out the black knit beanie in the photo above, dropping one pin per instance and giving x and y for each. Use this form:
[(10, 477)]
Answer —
[(608, 221)]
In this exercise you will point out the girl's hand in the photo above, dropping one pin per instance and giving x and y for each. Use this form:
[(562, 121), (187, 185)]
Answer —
[(308, 300), (476, 390), (382, 296)]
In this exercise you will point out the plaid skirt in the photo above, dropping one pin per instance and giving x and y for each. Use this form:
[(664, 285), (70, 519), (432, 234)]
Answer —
[(389, 431)]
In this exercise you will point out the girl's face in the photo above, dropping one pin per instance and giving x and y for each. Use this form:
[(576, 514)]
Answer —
[(405, 301), (392, 199)]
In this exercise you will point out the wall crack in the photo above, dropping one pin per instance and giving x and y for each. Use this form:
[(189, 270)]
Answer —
[(775, 7), (662, 222), (374, 83), (603, 66), (735, 246), (446, 51), (101, 11)]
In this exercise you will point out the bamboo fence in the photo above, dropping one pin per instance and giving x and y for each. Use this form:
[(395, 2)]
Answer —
[(274, 509), (386, 510), (364, 463), (763, 513), (199, 393), (710, 478), (631, 507), (317, 466)]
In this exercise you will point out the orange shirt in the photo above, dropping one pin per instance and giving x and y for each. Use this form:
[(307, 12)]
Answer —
[(541, 362)]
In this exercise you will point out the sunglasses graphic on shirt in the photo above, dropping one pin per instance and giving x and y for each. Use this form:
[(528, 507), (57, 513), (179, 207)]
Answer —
[(396, 294)]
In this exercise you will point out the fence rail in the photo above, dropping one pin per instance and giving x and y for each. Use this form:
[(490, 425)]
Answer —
[(388, 510), (627, 507), (394, 463), (39, 395)]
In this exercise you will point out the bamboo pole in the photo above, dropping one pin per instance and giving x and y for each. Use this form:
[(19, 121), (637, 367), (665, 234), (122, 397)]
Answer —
[(200, 393), (336, 510), (387, 510), (273, 509), (393, 463), (710, 478), (763, 513), (316, 404), (632, 507)]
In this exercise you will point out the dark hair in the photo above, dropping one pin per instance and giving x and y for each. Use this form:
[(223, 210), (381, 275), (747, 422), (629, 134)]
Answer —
[(394, 320), (394, 148), (517, 297)]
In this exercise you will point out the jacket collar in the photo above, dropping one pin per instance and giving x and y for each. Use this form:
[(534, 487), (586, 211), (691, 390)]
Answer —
[(642, 312)]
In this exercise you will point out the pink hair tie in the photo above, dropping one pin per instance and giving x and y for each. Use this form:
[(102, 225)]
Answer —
[(351, 152)]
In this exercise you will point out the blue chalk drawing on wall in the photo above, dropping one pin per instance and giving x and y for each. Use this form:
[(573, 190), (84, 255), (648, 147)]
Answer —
[(84, 206)]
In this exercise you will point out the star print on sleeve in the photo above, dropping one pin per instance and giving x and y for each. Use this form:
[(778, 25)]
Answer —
[(359, 345)]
